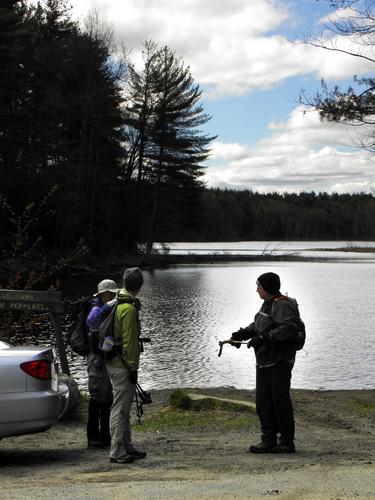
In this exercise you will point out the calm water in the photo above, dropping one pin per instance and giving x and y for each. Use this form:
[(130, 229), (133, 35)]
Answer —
[(187, 310)]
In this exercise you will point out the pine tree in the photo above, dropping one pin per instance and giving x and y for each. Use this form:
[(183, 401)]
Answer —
[(179, 146), (94, 124), (14, 37), (139, 116), (61, 118), (169, 147)]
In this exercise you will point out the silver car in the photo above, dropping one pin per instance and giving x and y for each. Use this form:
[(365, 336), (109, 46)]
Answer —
[(32, 398)]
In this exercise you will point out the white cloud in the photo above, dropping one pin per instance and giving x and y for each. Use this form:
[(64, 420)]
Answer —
[(335, 61), (301, 154), (227, 151), (227, 43), (235, 47), (306, 128), (354, 187)]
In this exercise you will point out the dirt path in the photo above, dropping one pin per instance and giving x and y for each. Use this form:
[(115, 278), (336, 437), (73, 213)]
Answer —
[(335, 459)]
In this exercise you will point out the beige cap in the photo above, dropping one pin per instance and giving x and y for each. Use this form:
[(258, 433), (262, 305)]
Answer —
[(107, 286)]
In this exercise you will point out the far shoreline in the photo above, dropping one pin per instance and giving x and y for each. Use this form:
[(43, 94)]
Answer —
[(95, 265), (166, 260)]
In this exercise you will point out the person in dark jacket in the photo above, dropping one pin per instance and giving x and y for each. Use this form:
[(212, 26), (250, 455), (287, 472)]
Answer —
[(272, 336), (99, 384)]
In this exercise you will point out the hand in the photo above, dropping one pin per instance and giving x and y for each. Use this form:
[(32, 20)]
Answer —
[(133, 377), (255, 342), (234, 343), (236, 336)]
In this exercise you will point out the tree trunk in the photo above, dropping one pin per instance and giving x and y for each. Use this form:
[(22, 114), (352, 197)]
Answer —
[(153, 220)]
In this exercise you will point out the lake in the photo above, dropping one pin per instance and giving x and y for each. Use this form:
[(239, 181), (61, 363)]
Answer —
[(186, 310)]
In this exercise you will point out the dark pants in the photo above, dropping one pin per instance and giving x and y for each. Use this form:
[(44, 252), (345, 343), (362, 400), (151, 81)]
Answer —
[(273, 403), (98, 421)]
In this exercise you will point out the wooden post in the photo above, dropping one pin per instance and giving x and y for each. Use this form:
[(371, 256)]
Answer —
[(56, 320)]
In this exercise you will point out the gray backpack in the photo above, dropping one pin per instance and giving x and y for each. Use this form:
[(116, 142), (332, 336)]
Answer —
[(107, 343)]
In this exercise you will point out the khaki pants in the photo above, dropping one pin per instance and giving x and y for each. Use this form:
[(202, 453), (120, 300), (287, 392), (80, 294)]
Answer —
[(119, 422)]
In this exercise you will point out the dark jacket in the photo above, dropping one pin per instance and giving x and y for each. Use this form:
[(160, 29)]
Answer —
[(276, 323)]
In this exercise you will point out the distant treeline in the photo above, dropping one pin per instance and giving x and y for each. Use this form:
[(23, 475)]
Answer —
[(229, 215)]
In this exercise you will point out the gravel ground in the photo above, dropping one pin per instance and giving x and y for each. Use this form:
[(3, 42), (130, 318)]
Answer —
[(335, 440)]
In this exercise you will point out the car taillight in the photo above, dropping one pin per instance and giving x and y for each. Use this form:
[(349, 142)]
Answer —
[(40, 369)]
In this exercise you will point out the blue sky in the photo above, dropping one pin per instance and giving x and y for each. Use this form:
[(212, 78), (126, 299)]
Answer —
[(245, 118), (248, 57)]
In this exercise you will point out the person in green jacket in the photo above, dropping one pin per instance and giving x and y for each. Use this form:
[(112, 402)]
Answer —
[(123, 368)]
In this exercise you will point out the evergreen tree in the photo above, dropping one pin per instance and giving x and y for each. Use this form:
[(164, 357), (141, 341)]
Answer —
[(61, 119), (46, 102), (14, 40), (139, 116), (94, 123), (140, 112), (166, 148), (179, 147), (75, 133)]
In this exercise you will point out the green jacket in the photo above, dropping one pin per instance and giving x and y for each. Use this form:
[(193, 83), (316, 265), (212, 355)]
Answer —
[(127, 326)]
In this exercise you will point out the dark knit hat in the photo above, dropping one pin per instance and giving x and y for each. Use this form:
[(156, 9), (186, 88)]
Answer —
[(133, 279), (270, 282)]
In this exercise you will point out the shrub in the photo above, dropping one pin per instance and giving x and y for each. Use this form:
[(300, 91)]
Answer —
[(180, 399)]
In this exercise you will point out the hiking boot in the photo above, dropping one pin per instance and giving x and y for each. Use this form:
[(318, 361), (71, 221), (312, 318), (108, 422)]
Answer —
[(127, 459), (137, 455), (263, 447), (286, 448)]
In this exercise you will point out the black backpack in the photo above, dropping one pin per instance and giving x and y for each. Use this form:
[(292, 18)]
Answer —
[(79, 338), (301, 329)]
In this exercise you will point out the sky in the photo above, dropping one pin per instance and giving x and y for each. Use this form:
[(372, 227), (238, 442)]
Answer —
[(249, 59)]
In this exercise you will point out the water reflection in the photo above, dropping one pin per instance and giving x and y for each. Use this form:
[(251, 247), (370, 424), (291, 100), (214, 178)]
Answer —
[(187, 310)]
